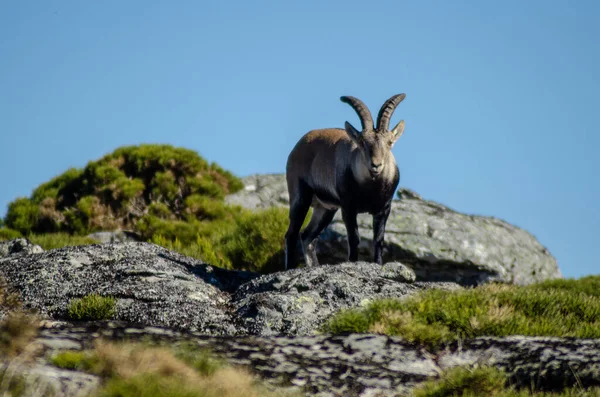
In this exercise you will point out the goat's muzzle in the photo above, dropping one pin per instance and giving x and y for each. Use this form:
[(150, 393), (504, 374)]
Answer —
[(375, 169)]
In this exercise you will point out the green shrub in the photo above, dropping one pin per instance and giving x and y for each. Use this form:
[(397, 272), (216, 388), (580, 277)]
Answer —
[(436, 317), (206, 187), (87, 206), (92, 307), (23, 215), (204, 249), (150, 226), (165, 187), (116, 191), (160, 210), (203, 207), (9, 234), (257, 242), (170, 196), (65, 184), (226, 178), (249, 241)]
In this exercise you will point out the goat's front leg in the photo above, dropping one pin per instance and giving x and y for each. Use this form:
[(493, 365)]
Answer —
[(379, 221), (349, 216)]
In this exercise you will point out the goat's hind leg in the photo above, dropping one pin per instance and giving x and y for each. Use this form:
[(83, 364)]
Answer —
[(301, 196), (321, 217)]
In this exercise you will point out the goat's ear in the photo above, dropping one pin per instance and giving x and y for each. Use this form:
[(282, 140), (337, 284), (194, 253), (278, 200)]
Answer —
[(398, 130), (353, 132)]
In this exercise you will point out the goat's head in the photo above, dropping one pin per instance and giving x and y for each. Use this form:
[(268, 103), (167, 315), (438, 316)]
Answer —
[(375, 142)]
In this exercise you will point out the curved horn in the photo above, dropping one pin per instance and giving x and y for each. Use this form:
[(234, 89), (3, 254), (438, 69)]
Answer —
[(362, 110), (385, 113)]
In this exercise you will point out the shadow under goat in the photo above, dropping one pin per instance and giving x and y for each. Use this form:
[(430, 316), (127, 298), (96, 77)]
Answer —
[(335, 168)]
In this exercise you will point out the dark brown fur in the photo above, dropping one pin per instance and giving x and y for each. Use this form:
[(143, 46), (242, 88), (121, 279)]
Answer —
[(334, 168)]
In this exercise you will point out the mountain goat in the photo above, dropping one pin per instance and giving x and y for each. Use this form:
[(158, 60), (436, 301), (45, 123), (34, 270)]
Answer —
[(343, 168)]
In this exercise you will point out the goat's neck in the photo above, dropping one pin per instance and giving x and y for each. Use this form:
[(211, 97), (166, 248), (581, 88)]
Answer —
[(360, 170)]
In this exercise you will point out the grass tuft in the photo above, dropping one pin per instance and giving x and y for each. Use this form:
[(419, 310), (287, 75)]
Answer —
[(50, 241), (9, 234), (202, 360), (489, 382), (75, 360), (437, 317), (92, 307), (484, 381), (17, 331), (17, 328), (142, 370), (12, 385)]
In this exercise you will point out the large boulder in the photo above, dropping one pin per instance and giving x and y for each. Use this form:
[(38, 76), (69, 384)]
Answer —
[(155, 286), (18, 246), (297, 302), (438, 243)]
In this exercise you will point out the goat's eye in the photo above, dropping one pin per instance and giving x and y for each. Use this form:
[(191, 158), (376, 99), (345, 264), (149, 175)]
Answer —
[(390, 143)]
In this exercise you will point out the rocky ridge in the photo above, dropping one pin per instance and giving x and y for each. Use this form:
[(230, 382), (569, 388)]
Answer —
[(344, 365), (158, 287)]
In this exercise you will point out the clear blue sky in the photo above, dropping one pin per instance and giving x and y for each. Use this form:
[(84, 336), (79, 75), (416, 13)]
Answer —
[(501, 106)]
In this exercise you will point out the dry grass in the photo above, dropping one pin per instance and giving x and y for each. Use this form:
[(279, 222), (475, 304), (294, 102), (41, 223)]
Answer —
[(141, 370), (17, 328), (232, 382), (8, 301), (128, 360), (17, 331)]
